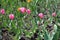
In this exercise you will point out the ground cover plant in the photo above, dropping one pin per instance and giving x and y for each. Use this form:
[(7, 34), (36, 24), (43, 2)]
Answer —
[(29, 19)]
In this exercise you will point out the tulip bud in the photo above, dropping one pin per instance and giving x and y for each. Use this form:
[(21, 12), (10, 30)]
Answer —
[(18, 9), (28, 11), (2, 11), (22, 9), (41, 15), (54, 14), (28, 1), (11, 16)]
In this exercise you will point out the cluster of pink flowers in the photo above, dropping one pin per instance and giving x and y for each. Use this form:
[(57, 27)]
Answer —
[(23, 10), (11, 16), (41, 15)]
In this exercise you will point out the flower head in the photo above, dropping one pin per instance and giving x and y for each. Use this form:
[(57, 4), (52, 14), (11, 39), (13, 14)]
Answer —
[(28, 1), (28, 11), (22, 9), (18, 9), (41, 15), (54, 14), (11, 16), (2, 11)]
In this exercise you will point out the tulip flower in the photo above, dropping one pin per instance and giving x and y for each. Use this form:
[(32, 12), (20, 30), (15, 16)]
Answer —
[(28, 1), (54, 14), (28, 11), (22, 9), (2, 11), (11, 16), (41, 15)]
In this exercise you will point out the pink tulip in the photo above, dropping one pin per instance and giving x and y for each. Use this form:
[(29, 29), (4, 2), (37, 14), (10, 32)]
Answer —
[(23, 9), (28, 11), (11, 16), (41, 15), (2, 11), (54, 14)]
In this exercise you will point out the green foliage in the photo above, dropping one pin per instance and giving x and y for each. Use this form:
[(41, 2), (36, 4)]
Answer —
[(24, 24)]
